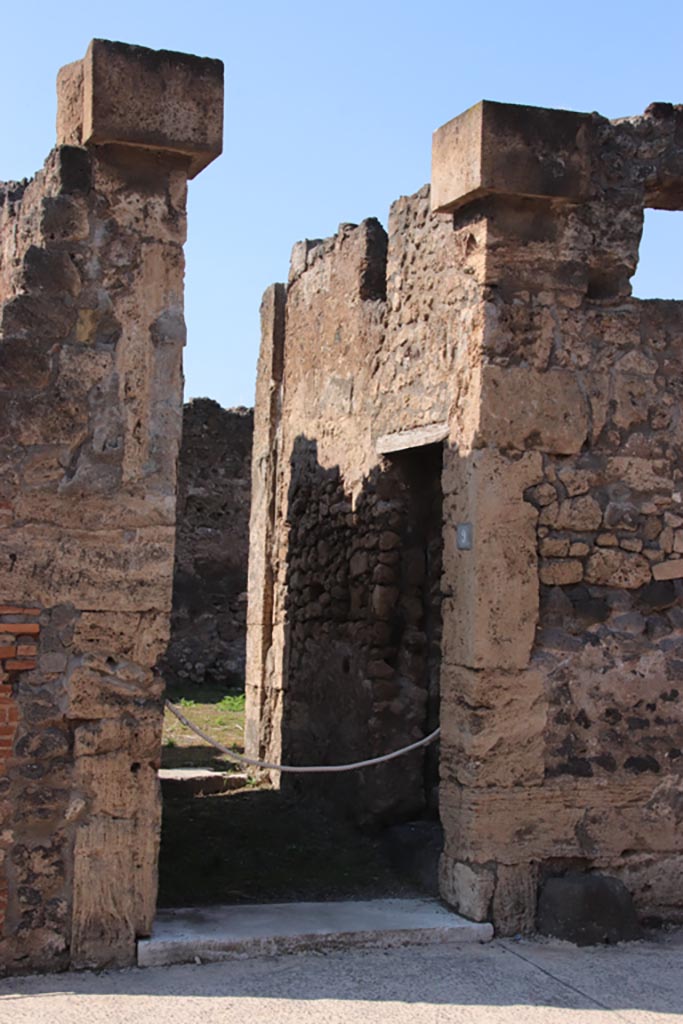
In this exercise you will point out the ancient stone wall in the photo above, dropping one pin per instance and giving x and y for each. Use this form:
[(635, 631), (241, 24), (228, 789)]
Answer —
[(356, 619), (209, 617), (91, 337), (579, 418), (339, 537), (506, 329)]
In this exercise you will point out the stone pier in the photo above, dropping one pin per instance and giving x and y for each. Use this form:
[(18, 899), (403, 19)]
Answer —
[(91, 339)]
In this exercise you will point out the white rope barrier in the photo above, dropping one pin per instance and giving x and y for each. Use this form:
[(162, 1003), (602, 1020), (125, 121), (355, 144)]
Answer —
[(299, 769)]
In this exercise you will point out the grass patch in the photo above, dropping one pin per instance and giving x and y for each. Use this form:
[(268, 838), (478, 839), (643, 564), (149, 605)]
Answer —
[(232, 702), (218, 713)]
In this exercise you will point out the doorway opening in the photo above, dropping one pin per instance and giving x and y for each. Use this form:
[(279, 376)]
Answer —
[(415, 846), (302, 841)]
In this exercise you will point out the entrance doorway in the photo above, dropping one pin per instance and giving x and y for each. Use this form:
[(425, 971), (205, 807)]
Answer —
[(419, 656)]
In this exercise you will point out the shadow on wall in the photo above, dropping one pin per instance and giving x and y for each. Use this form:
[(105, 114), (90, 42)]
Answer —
[(362, 612)]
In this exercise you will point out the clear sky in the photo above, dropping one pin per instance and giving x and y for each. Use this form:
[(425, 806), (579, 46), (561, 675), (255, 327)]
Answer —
[(329, 113)]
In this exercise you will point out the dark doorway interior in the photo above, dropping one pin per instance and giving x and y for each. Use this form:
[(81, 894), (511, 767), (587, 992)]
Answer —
[(304, 841), (414, 847), (419, 470)]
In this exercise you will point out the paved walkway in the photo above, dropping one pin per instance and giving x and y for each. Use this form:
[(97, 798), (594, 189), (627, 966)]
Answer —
[(501, 982)]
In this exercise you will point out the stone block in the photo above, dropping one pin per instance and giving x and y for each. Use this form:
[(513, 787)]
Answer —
[(103, 687), (510, 150), (114, 888), (492, 726), (524, 408), (655, 884), (560, 819), (151, 99), (109, 570), (514, 900), (587, 909), (139, 637), (554, 547), (612, 567), (671, 570), (70, 107), (561, 572), (415, 437), (491, 619), (639, 474), (138, 732), (466, 887), (581, 514), (121, 786), (633, 396)]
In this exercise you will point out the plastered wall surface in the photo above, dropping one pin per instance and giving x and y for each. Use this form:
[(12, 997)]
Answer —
[(91, 337), (502, 330)]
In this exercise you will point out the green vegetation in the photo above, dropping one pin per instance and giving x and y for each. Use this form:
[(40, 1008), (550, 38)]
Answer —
[(232, 702), (219, 714)]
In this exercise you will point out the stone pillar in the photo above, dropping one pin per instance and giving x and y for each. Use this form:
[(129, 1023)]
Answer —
[(263, 737), (565, 462), (91, 338)]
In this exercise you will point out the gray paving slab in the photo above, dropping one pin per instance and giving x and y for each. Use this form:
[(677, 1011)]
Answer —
[(493, 983), (213, 933), (642, 976), (182, 782)]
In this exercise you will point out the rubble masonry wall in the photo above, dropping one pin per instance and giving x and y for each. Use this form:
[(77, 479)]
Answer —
[(346, 669), (208, 620), (507, 314)]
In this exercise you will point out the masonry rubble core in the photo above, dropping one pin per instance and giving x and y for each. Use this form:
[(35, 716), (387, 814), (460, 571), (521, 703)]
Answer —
[(483, 363), (208, 619)]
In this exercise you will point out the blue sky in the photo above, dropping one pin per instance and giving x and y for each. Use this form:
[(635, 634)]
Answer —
[(329, 114)]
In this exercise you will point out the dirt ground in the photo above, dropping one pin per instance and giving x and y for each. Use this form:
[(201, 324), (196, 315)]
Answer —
[(255, 845)]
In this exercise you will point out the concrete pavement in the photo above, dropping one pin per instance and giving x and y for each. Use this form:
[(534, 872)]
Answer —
[(496, 983)]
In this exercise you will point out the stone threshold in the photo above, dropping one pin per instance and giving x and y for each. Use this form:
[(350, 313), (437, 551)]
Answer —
[(207, 934), (178, 782)]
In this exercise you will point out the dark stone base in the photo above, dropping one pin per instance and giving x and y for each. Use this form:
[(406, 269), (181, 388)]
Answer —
[(587, 909)]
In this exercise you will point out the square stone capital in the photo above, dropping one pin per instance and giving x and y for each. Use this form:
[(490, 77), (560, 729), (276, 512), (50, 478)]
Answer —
[(151, 99), (510, 150)]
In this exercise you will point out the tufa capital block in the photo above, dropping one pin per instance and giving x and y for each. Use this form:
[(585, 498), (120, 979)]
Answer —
[(509, 150), (152, 99)]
